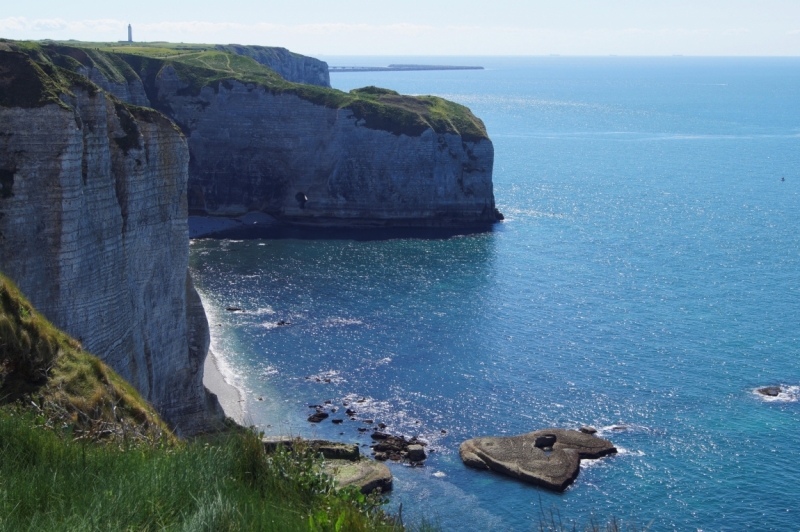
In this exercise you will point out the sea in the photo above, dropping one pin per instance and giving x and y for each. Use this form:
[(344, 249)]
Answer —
[(645, 281)]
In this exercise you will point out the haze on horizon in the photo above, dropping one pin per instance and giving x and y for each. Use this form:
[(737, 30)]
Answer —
[(443, 27)]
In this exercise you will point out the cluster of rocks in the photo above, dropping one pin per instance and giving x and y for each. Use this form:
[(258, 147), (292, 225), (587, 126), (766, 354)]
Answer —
[(549, 458), (343, 461), (386, 446), (397, 448), (320, 413)]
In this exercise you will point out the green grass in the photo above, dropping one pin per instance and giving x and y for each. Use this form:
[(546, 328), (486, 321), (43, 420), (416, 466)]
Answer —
[(200, 66), (49, 483)]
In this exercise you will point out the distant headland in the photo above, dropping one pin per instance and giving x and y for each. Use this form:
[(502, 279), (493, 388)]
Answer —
[(395, 68)]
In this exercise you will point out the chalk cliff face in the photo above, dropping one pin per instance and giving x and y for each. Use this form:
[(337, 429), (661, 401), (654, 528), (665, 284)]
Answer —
[(291, 66), (93, 230), (252, 149), (305, 154), (128, 91)]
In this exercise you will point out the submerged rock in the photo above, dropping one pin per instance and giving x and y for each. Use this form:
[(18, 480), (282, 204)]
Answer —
[(521, 456)]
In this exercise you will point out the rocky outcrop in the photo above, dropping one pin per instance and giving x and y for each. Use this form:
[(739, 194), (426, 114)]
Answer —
[(291, 66), (128, 91), (343, 462), (549, 458), (93, 230), (253, 149), (366, 474)]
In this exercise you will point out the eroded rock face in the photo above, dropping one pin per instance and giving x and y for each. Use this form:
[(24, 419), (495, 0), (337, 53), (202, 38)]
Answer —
[(131, 91), (93, 230), (527, 457), (252, 150)]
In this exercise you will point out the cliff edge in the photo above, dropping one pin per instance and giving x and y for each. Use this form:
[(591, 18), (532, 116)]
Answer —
[(93, 229)]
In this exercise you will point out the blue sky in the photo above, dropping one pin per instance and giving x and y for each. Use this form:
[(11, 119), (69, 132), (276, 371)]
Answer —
[(432, 27)]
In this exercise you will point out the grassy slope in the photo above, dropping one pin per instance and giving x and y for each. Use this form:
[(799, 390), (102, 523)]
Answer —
[(71, 390), (200, 66), (81, 450)]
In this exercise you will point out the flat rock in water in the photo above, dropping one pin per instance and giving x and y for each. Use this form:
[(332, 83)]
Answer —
[(521, 458), (367, 474), (328, 449), (770, 391)]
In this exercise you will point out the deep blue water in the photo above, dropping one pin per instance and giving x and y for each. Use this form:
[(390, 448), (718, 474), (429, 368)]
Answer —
[(647, 275)]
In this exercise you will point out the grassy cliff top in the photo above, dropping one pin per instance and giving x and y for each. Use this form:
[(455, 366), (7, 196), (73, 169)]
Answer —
[(27, 83), (43, 369), (200, 66)]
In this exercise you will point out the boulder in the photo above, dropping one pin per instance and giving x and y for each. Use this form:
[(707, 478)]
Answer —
[(317, 417), (367, 474), (588, 430), (521, 456), (770, 391), (416, 453)]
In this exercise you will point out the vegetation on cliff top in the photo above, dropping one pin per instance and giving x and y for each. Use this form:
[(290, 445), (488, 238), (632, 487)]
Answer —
[(199, 66)]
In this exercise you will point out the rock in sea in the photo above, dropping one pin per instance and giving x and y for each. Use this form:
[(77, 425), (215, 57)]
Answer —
[(317, 417), (520, 457), (770, 391)]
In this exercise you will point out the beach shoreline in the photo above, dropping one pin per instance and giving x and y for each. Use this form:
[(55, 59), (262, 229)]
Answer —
[(229, 396)]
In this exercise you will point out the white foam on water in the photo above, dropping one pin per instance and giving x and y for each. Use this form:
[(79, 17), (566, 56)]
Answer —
[(789, 394), (341, 322), (264, 310), (622, 451), (440, 474), (333, 376), (269, 371)]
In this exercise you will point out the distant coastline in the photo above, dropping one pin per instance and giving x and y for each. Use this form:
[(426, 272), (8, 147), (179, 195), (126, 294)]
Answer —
[(399, 68)]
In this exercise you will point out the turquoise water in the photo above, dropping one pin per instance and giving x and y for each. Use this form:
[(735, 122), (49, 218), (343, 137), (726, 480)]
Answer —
[(647, 275)]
